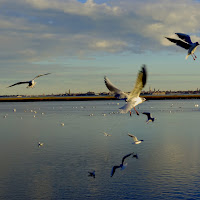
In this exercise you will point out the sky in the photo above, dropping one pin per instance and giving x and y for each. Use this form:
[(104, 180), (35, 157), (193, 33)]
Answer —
[(81, 41)]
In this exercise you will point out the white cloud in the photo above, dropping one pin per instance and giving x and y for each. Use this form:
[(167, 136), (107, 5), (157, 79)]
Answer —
[(37, 30), (108, 45), (73, 6)]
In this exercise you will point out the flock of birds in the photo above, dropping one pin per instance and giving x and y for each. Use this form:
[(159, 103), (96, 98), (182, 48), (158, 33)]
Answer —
[(133, 98), (185, 43)]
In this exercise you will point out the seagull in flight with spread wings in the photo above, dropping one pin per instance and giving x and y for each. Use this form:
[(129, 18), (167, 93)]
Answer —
[(92, 174), (122, 165), (149, 117), (132, 99), (185, 43), (136, 141), (31, 83)]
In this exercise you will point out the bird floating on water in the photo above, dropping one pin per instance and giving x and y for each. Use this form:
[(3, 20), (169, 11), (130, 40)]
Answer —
[(92, 174), (149, 117), (136, 141), (185, 43), (133, 98), (122, 165), (31, 83)]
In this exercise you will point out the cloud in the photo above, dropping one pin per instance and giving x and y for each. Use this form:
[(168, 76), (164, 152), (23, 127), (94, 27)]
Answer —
[(34, 30)]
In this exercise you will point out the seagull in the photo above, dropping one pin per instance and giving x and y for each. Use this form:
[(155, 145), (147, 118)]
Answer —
[(136, 141), (185, 43), (133, 98), (40, 144), (92, 174), (149, 117), (31, 83), (117, 92), (122, 165), (135, 156), (106, 134)]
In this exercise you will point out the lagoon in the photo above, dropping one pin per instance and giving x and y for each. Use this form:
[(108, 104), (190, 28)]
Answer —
[(167, 168)]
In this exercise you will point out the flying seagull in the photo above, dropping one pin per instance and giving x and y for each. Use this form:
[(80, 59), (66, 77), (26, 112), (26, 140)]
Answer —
[(135, 156), (149, 117), (122, 165), (136, 141), (31, 83), (92, 174), (133, 98), (40, 144), (185, 43), (106, 134)]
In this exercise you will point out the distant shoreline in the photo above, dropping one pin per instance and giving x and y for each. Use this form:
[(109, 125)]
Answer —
[(94, 98)]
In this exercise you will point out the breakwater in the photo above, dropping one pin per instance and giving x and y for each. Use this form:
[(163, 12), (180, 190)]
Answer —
[(94, 98)]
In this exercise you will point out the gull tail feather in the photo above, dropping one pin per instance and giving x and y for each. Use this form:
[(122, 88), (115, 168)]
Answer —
[(127, 107), (186, 57)]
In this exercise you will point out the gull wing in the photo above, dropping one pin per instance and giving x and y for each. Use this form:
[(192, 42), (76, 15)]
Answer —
[(179, 43), (147, 114), (126, 157), (18, 83), (127, 107), (118, 93), (41, 75), (106, 134), (133, 136), (113, 170), (140, 83), (184, 37)]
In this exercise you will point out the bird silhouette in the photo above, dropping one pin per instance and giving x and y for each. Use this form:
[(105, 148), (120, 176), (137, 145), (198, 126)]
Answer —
[(185, 43), (149, 117), (31, 83), (122, 165)]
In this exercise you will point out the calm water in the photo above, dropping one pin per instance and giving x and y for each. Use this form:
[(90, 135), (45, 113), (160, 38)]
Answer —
[(167, 168)]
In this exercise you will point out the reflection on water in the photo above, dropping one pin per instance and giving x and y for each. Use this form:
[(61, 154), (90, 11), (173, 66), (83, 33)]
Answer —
[(167, 168)]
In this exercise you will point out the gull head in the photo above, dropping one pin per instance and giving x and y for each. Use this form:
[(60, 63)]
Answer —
[(143, 99)]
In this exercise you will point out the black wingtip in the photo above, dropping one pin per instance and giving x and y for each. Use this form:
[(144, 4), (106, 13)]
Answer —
[(144, 71)]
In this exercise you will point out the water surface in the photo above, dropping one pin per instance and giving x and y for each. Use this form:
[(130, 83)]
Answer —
[(167, 168)]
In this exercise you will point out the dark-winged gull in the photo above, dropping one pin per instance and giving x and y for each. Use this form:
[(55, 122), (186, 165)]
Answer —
[(92, 174), (122, 165), (135, 156), (31, 83), (185, 43), (132, 99), (149, 117), (136, 141)]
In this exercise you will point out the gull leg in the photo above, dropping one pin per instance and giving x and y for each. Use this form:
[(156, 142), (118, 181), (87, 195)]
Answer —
[(192, 57), (136, 111)]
